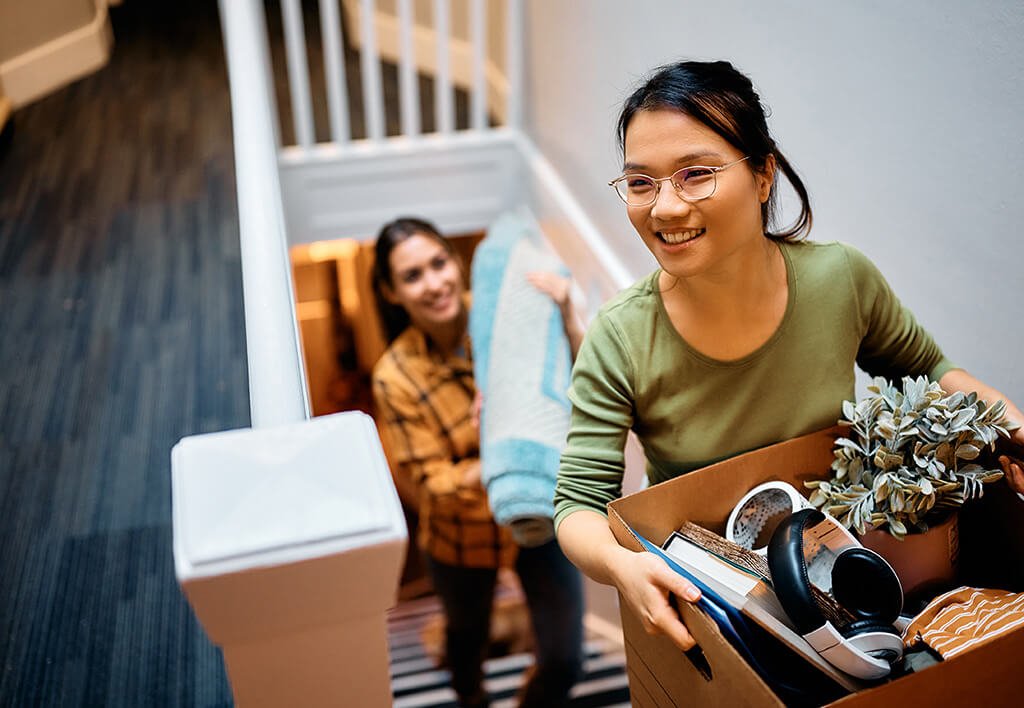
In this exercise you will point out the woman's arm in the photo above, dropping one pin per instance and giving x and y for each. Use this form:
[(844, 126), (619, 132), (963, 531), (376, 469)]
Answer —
[(959, 380), (895, 344), (590, 476), (644, 580), (559, 289)]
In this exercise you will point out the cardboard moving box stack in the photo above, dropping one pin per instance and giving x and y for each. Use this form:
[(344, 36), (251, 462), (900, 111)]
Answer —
[(660, 676)]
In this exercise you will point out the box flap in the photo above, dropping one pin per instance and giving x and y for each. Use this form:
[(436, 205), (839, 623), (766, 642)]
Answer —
[(706, 496)]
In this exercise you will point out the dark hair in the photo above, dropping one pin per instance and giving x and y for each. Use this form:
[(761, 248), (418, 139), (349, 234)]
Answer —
[(394, 317), (723, 99)]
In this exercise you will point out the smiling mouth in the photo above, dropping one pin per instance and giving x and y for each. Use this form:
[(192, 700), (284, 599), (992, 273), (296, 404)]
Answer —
[(440, 303), (676, 237)]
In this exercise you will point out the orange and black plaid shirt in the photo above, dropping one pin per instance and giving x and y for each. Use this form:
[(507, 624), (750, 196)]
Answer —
[(424, 409)]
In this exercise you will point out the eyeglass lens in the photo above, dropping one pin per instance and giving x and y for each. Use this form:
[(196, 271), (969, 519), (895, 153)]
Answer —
[(690, 183)]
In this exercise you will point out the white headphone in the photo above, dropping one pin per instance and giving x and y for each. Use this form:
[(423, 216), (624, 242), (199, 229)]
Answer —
[(760, 511)]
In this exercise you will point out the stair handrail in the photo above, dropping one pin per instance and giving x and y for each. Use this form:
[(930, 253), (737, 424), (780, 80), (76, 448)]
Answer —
[(277, 386)]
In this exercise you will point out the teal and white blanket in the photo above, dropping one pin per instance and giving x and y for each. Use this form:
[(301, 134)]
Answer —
[(521, 365)]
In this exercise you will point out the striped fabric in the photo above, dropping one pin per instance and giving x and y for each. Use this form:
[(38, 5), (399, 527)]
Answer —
[(416, 682), (965, 618)]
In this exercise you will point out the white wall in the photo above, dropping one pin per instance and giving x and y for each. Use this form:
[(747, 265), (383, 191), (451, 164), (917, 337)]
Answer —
[(903, 118)]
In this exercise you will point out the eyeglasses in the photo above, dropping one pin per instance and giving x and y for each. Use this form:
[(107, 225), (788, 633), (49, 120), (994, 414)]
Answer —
[(691, 183)]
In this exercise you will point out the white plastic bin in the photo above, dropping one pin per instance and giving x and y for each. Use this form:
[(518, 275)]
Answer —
[(289, 543)]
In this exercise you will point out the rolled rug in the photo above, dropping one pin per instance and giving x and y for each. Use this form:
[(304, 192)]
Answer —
[(521, 362)]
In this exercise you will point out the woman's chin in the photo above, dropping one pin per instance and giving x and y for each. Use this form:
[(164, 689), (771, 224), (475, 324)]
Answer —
[(445, 314)]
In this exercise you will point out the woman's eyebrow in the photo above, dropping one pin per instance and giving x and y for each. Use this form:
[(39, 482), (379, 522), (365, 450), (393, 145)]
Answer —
[(689, 158)]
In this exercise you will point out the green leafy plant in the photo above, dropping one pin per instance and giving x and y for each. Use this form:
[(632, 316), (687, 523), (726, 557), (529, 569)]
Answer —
[(910, 457)]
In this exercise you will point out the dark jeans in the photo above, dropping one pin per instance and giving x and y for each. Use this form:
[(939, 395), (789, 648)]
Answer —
[(554, 594)]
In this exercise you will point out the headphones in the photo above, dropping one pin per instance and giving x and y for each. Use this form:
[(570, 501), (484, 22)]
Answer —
[(810, 547)]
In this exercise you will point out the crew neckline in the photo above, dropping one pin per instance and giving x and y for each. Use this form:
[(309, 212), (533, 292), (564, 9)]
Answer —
[(791, 296)]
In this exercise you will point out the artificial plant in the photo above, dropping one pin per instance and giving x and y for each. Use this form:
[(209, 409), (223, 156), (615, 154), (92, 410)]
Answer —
[(911, 456)]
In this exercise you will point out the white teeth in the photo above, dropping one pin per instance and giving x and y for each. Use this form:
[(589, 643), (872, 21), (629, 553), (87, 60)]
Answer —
[(681, 236)]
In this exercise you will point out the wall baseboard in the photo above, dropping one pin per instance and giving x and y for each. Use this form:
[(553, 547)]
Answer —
[(54, 64)]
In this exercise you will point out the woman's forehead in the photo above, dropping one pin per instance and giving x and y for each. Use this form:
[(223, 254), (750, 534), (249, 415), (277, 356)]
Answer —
[(415, 251), (665, 137)]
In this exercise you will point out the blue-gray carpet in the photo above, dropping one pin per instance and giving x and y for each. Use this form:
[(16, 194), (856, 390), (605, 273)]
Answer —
[(122, 331)]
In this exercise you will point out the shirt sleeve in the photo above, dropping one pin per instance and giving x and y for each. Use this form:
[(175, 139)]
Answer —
[(592, 465), (894, 343), (416, 448)]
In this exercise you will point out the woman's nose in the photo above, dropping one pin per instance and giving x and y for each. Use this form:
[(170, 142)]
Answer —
[(668, 203), (434, 280)]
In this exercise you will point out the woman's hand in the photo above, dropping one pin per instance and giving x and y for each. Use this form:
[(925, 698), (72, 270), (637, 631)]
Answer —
[(1013, 467), (476, 409), (645, 582), (1014, 471), (555, 286), (471, 476), (960, 380)]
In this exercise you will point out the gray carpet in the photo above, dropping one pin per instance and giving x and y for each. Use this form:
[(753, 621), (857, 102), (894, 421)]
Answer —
[(122, 331)]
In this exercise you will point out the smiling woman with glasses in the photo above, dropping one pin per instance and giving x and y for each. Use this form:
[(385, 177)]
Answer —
[(745, 335)]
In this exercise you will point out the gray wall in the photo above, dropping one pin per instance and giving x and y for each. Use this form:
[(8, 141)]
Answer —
[(903, 118)]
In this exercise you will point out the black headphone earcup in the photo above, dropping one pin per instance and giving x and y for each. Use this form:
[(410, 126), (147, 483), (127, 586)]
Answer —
[(865, 585)]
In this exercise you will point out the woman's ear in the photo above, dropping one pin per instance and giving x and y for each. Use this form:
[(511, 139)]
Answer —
[(765, 178)]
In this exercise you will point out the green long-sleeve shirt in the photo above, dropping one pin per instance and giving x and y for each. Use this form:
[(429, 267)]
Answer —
[(634, 371)]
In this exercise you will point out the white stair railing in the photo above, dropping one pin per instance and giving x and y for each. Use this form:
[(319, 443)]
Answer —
[(277, 386), (396, 35)]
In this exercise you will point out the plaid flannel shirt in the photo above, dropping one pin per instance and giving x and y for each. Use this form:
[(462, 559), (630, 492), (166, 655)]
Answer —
[(424, 409)]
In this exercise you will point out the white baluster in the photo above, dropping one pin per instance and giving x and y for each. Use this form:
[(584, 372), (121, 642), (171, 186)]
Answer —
[(369, 62), (478, 37), (442, 80), (514, 65), (298, 72), (408, 80), (334, 66)]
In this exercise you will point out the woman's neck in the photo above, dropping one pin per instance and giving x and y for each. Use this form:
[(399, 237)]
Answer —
[(447, 337), (743, 282)]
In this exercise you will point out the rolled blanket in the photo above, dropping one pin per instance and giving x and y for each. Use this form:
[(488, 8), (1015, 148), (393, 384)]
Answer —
[(521, 362)]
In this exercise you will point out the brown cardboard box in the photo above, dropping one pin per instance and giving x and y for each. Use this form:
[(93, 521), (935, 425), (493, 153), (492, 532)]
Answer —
[(992, 555)]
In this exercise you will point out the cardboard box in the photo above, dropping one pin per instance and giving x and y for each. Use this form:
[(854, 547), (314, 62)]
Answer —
[(660, 676)]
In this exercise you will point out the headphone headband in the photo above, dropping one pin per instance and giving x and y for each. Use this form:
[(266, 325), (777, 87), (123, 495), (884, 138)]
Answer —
[(809, 543)]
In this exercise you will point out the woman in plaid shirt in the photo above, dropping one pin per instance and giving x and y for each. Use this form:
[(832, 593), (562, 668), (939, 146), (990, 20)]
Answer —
[(424, 391)]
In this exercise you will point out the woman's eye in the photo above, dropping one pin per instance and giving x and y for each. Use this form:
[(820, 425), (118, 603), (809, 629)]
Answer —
[(639, 184), (694, 173), (410, 276), (439, 263)]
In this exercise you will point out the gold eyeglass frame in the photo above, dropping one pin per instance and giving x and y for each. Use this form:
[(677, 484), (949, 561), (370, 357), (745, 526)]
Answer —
[(657, 182)]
